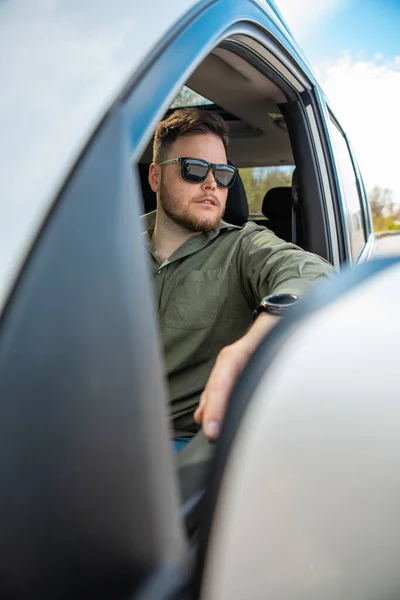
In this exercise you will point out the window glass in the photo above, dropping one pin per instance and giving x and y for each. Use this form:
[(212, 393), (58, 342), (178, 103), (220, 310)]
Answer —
[(187, 97), (349, 190), (258, 180)]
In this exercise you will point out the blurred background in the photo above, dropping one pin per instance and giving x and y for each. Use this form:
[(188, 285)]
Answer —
[(354, 50)]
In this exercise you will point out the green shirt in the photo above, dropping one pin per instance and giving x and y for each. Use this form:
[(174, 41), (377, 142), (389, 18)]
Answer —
[(205, 293)]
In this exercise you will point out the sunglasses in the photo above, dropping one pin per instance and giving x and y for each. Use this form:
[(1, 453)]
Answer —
[(195, 170)]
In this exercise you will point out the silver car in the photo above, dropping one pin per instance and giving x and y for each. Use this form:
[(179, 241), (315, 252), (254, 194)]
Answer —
[(299, 497)]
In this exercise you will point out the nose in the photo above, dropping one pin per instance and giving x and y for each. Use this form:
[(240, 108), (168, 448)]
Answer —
[(209, 182)]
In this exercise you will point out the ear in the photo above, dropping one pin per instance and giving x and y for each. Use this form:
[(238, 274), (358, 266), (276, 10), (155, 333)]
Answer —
[(155, 177)]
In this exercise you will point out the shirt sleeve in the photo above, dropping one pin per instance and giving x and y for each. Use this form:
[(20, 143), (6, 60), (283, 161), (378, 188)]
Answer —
[(269, 265)]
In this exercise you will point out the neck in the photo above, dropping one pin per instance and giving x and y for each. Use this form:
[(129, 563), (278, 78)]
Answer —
[(169, 236)]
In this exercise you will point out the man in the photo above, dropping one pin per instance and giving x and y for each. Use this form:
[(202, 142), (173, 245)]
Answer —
[(209, 276)]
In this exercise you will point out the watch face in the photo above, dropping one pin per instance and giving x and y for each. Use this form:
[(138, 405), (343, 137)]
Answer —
[(276, 304), (281, 301)]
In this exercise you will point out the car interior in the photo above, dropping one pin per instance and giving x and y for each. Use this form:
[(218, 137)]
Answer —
[(261, 111), (268, 130)]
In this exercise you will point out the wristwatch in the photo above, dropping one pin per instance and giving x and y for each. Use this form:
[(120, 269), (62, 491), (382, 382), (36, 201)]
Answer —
[(276, 304)]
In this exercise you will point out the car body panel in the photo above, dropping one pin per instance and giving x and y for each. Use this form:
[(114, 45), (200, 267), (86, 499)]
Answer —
[(308, 493), (70, 64), (67, 65)]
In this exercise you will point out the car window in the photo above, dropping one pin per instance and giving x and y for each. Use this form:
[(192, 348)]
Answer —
[(258, 180), (188, 97), (266, 122), (352, 202)]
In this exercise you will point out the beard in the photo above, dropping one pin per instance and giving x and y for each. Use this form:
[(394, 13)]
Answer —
[(182, 216)]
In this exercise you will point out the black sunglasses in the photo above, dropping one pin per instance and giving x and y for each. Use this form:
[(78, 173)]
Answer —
[(195, 170)]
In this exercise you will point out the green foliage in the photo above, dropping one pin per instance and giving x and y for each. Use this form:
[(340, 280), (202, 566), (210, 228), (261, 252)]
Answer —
[(257, 181), (381, 203), (188, 97), (385, 223)]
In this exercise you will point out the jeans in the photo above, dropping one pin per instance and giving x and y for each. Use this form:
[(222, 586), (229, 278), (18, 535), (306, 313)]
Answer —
[(179, 442)]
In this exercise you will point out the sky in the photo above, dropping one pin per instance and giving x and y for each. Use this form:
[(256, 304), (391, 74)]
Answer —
[(353, 47)]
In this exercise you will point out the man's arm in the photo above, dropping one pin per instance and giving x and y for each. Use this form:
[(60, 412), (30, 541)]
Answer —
[(228, 366), (267, 265)]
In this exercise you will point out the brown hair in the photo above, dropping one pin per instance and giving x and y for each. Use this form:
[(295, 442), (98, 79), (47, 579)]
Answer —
[(183, 122)]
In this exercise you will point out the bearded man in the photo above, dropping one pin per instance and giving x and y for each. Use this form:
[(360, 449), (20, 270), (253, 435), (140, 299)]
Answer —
[(210, 277)]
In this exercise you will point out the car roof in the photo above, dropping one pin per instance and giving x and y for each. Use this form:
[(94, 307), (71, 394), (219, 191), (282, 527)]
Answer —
[(66, 63)]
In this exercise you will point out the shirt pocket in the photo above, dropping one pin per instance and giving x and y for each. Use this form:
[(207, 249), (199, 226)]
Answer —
[(195, 301)]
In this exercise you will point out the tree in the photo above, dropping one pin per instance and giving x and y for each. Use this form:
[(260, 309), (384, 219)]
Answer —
[(257, 181), (375, 201), (188, 97), (383, 209), (387, 200), (381, 200)]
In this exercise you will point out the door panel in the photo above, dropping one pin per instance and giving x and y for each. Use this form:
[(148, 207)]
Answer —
[(304, 492), (89, 505)]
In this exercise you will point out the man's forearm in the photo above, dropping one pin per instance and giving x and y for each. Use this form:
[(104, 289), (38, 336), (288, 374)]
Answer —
[(258, 330), (228, 366)]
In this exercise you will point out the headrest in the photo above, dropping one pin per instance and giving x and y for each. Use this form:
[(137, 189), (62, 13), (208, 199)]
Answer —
[(278, 203), (149, 197), (237, 209)]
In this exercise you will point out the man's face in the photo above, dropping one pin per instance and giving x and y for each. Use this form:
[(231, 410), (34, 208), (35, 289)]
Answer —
[(194, 206)]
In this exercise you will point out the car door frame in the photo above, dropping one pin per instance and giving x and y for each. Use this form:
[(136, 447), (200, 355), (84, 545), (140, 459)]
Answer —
[(338, 201), (223, 21)]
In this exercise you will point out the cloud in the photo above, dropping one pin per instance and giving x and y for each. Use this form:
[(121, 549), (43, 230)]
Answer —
[(364, 93), (305, 16), (365, 96)]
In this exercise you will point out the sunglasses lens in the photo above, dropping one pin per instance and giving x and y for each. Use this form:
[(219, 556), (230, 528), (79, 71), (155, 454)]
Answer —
[(225, 175), (194, 170)]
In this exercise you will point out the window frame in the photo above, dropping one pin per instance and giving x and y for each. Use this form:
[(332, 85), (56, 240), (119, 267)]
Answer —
[(266, 49), (324, 113), (329, 176), (365, 216), (368, 225)]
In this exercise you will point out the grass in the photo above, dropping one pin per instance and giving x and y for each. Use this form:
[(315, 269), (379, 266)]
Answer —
[(385, 223)]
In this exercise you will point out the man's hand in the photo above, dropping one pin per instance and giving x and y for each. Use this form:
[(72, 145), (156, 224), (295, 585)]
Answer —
[(228, 366)]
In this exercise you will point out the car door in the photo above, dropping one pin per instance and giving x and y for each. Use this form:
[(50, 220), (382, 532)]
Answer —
[(90, 503)]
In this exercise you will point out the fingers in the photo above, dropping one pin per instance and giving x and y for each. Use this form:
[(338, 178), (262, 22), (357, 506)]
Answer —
[(198, 413), (214, 399), (228, 366)]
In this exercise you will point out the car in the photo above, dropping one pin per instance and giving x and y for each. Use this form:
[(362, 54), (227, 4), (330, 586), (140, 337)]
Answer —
[(93, 502)]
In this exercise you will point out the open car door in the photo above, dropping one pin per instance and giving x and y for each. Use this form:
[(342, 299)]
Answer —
[(303, 490)]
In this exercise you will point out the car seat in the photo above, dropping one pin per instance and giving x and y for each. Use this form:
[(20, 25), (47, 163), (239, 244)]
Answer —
[(297, 217), (277, 208), (282, 207), (237, 208)]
